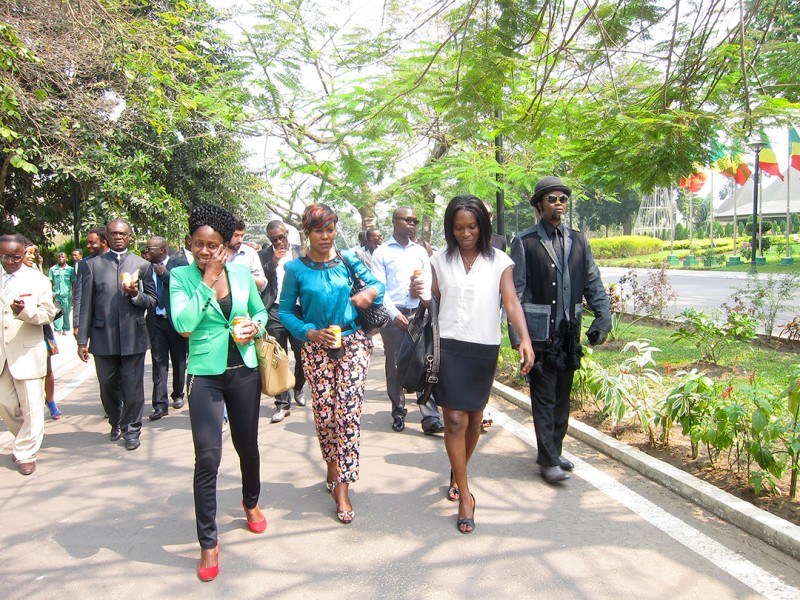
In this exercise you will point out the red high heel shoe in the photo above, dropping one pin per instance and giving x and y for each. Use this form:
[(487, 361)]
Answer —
[(255, 526), (210, 573)]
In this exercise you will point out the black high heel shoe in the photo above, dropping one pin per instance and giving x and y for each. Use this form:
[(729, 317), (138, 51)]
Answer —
[(468, 522), (452, 492)]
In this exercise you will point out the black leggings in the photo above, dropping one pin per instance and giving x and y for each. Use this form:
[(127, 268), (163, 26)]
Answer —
[(240, 390)]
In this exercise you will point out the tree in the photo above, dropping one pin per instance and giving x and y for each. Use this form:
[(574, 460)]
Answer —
[(408, 112), (99, 101)]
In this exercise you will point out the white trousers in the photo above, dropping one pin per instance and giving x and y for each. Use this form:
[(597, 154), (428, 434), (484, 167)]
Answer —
[(22, 410)]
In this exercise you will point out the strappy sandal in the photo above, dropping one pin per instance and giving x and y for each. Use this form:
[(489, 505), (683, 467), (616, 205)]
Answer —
[(470, 523), (453, 494), (345, 516)]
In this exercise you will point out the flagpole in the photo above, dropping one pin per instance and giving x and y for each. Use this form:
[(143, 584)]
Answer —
[(712, 209), (735, 223), (788, 226), (760, 215)]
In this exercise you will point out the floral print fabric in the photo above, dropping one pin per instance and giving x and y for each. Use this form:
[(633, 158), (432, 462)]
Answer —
[(337, 395)]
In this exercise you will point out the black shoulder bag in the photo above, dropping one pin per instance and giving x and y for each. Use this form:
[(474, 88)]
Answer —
[(419, 352), (373, 318)]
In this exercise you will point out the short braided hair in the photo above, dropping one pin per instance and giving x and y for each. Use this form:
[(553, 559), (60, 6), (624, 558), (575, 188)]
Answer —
[(216, 217)]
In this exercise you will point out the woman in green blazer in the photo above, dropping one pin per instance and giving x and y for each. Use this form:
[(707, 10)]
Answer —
[(205, 298)]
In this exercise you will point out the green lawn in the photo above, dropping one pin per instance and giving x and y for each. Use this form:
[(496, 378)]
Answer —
[(772, 255), (739, 361), (769, 364)]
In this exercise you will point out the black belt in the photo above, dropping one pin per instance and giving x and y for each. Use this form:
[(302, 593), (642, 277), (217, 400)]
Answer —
[(404, 309), (163, 316)]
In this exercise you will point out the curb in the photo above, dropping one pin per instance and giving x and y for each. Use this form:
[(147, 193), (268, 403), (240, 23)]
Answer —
[(776, 532)]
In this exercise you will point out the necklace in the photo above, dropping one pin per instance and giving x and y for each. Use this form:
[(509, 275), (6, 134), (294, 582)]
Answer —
[(468, 263)]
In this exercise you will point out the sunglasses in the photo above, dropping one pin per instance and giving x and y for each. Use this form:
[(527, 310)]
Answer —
[(552, 199), (276, 239), (409, 220), (10, 257)]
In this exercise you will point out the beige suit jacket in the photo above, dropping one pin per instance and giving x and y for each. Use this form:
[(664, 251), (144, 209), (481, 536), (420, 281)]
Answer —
[(22, 343)]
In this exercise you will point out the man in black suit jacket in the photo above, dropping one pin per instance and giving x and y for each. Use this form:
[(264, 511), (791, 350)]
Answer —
[(165, 343), (273, 259), (185, 253), (117, 288)]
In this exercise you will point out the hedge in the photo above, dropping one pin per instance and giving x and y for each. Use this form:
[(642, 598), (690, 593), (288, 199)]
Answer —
[(624, 246)]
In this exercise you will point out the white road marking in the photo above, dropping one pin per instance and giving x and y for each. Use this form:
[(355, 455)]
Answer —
[(725, 559)]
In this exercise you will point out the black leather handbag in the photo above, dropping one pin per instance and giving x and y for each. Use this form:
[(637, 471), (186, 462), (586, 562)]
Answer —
[(419, 352), (373, 318)]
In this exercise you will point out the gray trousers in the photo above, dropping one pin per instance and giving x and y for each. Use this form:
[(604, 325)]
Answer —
[(392, 337)]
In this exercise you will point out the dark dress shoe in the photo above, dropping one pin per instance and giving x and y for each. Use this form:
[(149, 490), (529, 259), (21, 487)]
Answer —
[(178, 402), (437, 427), (158, 413), (553, 474), (566, 465), (26, 468), (116, 433), (132, 443), (398, 424)]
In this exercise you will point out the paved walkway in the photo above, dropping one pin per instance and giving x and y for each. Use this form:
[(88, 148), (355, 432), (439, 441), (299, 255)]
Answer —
[(96, 521)]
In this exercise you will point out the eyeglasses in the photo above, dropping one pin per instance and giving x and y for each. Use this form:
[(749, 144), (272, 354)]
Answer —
[(117, 234), (10, 257), (276, 239), (409, 220), (552, 199), (153, 248)]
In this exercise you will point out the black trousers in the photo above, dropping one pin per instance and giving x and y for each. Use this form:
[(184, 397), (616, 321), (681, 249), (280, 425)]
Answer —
[(239, 390), (550, 391), (121, 381), (276, 329), (392, 338), (167, 345)]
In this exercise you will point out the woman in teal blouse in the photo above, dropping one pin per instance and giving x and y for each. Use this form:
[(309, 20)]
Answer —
[(335, 375), (205, 298)]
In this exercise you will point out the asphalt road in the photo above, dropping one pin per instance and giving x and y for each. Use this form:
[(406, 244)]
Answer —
[(703, 290), (96, 521)]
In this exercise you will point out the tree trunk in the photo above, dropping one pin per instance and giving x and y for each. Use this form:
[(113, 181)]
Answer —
[(627, 225)]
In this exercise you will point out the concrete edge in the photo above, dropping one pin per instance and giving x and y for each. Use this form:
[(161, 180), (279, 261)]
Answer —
[(773, 530)]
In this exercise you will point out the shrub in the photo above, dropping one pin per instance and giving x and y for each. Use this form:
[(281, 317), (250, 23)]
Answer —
[(625, 245), (712, 337)]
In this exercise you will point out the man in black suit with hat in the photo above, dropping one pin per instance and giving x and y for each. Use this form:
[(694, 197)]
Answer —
[(553, 271)]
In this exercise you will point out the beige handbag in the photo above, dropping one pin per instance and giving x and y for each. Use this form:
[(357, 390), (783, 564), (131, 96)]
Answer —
[(273, 365)]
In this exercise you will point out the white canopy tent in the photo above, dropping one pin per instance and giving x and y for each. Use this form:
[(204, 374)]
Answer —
[(773, 198)]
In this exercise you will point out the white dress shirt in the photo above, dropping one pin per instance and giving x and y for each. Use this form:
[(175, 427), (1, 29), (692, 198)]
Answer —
[(393, 265)]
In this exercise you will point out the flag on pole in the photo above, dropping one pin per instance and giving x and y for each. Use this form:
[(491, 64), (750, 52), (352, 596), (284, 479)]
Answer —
[(794, 149), (767, 161), (694, 182), (731, 163)]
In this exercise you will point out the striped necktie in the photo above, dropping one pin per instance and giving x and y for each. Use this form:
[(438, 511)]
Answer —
[(8, 292)]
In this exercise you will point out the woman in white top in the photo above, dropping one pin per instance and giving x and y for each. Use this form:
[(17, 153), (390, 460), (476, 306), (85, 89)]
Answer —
[(470, 278)]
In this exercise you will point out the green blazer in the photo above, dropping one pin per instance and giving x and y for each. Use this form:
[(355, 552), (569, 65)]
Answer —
[(195, 310)]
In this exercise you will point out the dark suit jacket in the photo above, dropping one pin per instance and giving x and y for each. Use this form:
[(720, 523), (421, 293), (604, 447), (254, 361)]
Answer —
[(171, 264), (270, 294), (111, 322)]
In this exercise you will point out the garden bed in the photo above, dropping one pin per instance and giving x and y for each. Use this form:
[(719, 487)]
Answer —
[(678, 451)]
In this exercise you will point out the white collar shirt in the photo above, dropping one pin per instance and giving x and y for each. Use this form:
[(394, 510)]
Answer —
[(393, 265)]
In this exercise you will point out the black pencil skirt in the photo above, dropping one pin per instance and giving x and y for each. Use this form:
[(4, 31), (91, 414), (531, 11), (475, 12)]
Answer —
[(466, 373)]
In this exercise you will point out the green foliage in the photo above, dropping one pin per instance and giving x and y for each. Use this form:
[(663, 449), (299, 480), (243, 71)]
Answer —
[(627, 392), (713, 337), (767, 295), (690, 403), (624, 246)]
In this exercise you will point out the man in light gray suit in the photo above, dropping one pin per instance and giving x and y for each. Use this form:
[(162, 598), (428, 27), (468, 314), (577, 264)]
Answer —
[(117, 288)]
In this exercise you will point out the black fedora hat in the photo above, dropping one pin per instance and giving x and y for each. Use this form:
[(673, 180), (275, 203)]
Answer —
[(548, 184)]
